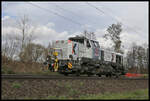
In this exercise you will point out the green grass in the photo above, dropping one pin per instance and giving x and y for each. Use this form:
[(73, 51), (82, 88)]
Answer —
[(81, 83), (138, 94), (55, 97), (145, 75), (73, 92), (135, 95), (67, 85), (16, 85)]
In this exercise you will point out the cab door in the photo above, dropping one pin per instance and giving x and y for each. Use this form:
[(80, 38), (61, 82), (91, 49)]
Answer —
[(88, 49), (102, 55), (96, 50), (75, 52)]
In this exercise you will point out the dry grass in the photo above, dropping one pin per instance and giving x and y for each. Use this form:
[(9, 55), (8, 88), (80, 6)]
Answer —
[(9, 67)]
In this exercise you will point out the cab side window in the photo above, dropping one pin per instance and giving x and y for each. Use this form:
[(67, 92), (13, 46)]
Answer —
[(88, 44), (118, 59), (102, 55)]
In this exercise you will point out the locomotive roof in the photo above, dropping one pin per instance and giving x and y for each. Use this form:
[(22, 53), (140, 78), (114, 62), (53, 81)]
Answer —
[(112, 52), (79, 38)]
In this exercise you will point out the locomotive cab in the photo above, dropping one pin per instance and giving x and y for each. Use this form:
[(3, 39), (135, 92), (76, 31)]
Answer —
[(85, 48)]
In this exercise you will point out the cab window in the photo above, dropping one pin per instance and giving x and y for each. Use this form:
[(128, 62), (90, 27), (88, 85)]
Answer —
[(119, 59), (102, 55), (96, 44), (88, 44)]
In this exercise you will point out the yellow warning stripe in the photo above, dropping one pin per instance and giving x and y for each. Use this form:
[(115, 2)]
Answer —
[(69, 65)]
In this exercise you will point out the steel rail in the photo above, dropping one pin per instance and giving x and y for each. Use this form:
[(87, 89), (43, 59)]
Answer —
[(61, 77)]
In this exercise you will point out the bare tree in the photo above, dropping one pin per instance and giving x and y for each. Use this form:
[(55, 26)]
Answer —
[(23, 23), (10, 45), (33, 53), (89, 35), (49, 49), (27, 33), (114, 32), (38, 53), (26, 30), (137, 57)]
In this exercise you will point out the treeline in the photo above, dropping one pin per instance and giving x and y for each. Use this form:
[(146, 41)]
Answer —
[(137, 58), (20, 53), (30, 53), (20, 46), (26, 59)]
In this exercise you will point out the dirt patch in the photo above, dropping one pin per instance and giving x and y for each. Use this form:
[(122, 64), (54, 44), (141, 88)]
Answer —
[(20, 89)]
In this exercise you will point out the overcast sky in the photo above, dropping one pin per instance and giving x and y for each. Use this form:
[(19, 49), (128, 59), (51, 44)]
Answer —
[(75, 17)]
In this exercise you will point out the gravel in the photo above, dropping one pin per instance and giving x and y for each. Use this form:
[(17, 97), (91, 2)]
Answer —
[(42, 89)]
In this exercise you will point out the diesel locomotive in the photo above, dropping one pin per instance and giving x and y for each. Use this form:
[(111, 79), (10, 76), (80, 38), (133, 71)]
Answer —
[(80, 55)]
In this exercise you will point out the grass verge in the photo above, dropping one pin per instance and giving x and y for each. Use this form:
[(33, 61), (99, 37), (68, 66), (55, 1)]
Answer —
[(138, 94)]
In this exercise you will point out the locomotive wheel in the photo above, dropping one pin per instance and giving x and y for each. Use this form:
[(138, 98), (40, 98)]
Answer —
[(88, 74), (109, 75), (117, 76), (99, 75), (106, 75)]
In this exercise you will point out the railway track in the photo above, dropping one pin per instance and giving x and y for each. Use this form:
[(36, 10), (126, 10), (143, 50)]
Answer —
[(54, 77)]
